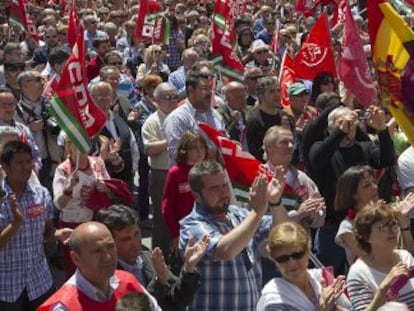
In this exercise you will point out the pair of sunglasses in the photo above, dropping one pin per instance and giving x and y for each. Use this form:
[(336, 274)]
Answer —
[(294, 256)]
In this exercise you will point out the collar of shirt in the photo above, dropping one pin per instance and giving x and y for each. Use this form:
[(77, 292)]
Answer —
[(136, 268), (90, 290)]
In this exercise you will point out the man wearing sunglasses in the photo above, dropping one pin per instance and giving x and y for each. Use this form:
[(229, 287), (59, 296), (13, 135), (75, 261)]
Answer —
[(50, 38), (197, 108), (12, 69), (33, 111)]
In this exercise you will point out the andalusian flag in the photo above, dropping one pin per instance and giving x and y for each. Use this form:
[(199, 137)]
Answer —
[(225, 58), (72, 106), (392, 42)]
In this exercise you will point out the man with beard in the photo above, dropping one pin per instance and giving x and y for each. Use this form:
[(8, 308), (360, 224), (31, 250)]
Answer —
[(41, 54), (96, 284), (197, 108), (230, 271)]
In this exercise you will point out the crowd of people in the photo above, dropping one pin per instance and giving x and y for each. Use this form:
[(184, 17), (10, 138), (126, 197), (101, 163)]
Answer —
[(328, 224)]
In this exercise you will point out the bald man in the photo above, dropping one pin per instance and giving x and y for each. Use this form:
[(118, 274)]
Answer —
[(95, 285), (235, 111)]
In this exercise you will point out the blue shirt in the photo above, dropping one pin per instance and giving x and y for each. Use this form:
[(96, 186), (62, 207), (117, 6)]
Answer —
[(225, 284), (177, 78), (185, 118), (23, 263)]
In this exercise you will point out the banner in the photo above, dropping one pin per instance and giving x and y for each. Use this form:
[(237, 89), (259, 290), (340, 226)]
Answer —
[(71, 104), (152, 25), (353, 68)]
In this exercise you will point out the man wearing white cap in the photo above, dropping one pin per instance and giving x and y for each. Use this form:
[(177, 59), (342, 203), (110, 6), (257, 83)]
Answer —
[(262, 58)]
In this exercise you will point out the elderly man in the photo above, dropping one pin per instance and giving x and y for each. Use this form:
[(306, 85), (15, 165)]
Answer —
[(269, 114), (25, 223), (117, 129), (12, 51), (177, 78), (32, 110), (230, 272), (96, 284), (149, 268), (155, 146), (336, 153), (235, 111), (197, 108)]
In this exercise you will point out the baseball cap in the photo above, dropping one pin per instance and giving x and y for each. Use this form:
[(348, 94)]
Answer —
[(297, 88)]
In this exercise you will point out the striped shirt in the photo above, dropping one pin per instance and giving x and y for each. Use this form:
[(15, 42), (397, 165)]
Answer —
[(363, 282), (23, 263), (225, 284)]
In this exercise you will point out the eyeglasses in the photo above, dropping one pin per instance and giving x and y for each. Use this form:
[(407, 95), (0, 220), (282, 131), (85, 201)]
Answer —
[(156, 52), (294, 256), (201, 42), (14, 67), (115, 64), (253, 78), (206, 76), (49, 37), (93, 22), (390, 225), (261, 52), (35, 79), (171, 97), (327, 82)]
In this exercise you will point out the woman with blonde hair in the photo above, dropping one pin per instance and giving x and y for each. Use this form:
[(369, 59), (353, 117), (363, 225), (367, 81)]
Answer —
[(153, 64), (299, 288)]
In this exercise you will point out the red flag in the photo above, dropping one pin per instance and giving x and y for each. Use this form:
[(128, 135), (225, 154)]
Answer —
[(20, 17), (72, 106), (286, 78), (305, 7), (73, 29), (224, 38), (316, 54), (151, 24), (353, 68)]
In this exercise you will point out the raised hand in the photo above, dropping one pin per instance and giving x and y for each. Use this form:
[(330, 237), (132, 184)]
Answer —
[(161, 268), (16, 210), (258, 195), (330, 293), (276, 185), (194, 252)]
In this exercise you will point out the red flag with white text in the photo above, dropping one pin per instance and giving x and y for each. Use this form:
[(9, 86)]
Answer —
[(353, 68), (75, 111), (151, 24), (316, 55)]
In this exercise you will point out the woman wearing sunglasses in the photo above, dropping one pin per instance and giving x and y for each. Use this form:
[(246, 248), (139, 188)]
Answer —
[(371, 279), (299, 288)]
